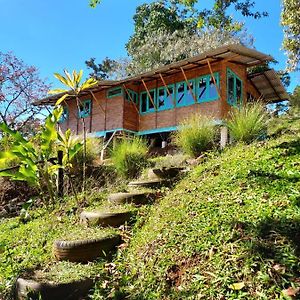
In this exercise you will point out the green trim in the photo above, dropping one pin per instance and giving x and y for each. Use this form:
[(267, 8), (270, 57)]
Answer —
[(65, 115), (85, 113), (134, 95), (207, 97), (166, 98), (157, 130), (235, 101), (148, 102), (104, 132), (186, 93), (114, 95)]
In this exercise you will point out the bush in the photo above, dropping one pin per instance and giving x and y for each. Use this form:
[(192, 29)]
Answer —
[(195, 135), (248, 123), (129, 157)]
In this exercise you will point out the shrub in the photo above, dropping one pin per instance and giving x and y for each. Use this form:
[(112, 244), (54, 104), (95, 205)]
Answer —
[(195, 135), (248, 123), (129, 157)]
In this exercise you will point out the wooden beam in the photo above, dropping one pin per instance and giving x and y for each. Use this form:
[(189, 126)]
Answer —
[(167, 88), (149, 95), (127, 92), (271, 85), (94, 97), (214, 79), (188, 84)]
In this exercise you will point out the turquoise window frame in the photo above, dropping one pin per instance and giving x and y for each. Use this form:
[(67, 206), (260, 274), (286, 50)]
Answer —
[(186, 92), (114, 89), (84, 114), (170, 104), (235, 77), (148, 109), (65, 115), (133, 95), (207, 97)]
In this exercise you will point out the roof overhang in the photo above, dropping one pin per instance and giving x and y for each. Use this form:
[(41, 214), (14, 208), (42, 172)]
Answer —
[(269, 86), (232, 53)]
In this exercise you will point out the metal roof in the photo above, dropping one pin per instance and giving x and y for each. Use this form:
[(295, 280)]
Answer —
[(269, 86), (233, 53)]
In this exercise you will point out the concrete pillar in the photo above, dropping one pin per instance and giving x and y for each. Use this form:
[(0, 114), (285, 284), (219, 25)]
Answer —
[(163, 144), (224, 137)]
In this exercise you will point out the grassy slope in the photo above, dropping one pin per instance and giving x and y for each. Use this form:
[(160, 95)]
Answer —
[(234, 219)]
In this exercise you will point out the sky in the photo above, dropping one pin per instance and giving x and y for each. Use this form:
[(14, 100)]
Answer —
[(62, 34)]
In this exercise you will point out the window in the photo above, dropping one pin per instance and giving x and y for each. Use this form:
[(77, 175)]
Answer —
[(184, 93), (234, 88), (118, 91), (206, 89), (131, 95), (65, 115), (165, 98), (146, 104), (85, 108)]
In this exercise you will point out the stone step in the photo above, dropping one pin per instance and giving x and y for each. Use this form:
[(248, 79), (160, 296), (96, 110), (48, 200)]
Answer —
[(33, 289), (114, 219), (137, 198), (164, 173), (85, 250), (150, 183)]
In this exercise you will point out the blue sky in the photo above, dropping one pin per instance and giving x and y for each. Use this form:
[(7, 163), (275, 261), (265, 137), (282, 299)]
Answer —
[(58, 34)]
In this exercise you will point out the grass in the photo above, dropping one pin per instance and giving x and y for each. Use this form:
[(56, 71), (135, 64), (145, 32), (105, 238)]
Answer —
[(195, 135), (248, 123), (129, 157), (230, 230)]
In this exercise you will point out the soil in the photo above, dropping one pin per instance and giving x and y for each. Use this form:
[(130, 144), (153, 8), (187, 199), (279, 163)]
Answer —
[(13, 194)]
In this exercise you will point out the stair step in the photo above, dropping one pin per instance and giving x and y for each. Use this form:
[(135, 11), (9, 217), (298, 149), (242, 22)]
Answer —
[(137, 198), (164, 173), (115, 219), (85, 250), (150, 183)]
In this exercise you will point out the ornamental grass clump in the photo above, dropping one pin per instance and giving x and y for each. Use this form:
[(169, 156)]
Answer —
[(248, 123), (196, 135), (129, 157)]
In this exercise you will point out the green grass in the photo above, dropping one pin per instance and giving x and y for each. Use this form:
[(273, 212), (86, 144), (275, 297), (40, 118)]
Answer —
[(195, 135), (248, 123), (234, 219)]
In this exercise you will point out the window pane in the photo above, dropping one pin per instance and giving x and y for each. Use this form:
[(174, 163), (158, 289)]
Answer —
[(161, 98), (115, 92), (238, 91), (230, 88), (180, 93), (143, 102), (202, 89), (152, 94), (212, 91), (189, 98)]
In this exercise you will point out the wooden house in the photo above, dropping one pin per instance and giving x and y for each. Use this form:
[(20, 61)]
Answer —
[(155, 102)]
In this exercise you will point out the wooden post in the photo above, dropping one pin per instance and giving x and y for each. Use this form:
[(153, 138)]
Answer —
[(224, 137), (60, 175), (188, 84), (214, 79)]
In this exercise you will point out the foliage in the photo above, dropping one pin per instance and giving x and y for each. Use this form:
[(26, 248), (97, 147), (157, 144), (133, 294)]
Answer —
[(195, 135), (20, 85), (295, 98), (290, 20), (129, 157), (229, 230), (248, 122), (75, 86), (94, 3), (36, 165), (103, 70)]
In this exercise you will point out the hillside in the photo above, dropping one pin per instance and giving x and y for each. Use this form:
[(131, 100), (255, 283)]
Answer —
[(229, 230)]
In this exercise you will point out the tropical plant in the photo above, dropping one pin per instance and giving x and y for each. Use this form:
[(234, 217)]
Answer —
[(129, 157), (195, 135), (248, 122), (36, 162), (74, 88)]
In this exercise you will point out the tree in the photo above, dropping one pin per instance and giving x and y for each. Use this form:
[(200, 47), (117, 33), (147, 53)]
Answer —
[(290, 20), (103, 70), (20, 86), (295, 98)]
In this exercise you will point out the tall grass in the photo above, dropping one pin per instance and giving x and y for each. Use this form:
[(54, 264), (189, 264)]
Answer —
[(129, 157), (248, 123), (195, 135)]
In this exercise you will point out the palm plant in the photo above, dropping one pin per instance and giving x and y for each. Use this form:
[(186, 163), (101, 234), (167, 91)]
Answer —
[(74, 88)]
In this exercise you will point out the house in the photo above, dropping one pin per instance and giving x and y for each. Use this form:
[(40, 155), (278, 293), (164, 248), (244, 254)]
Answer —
[(154, 103)]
